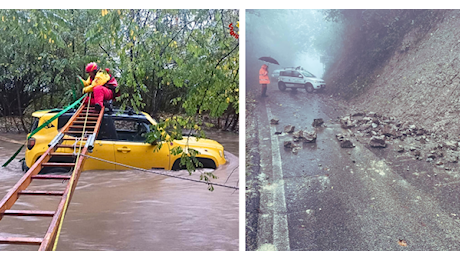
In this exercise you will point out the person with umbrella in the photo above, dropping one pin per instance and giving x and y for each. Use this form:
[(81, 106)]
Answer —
[(264, 80)]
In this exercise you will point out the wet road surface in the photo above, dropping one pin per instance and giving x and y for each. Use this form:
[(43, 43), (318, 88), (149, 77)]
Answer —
[(130, 210), (331, 198)]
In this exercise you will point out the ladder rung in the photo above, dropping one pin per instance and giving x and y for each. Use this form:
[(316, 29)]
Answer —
[(89, 115), (41, 192), (81, 127), (87, 121), (73, 139), (54, 177), (36, 213), (48, 164), (21, 240), (65, 146), (74, 132), (63, 154)]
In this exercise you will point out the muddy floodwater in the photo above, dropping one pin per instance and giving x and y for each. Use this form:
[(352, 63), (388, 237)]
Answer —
[(131, 210)]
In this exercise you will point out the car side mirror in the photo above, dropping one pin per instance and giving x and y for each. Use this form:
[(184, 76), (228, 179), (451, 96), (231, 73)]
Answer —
[(300, 76)]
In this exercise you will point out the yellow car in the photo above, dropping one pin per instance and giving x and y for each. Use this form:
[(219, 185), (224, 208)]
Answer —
[(120, 140)]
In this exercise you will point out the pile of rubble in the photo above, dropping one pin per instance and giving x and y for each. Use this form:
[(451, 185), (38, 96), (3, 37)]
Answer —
[(304, 136), (378, 131)]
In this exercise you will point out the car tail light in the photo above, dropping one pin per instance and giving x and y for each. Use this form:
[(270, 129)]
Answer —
[(30, 143)]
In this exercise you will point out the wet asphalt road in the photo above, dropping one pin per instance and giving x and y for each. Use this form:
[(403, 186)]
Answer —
[(331, 198)]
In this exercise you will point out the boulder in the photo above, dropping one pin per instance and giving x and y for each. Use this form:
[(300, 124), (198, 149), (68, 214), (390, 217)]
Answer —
[(358, 114), (389, 130), (317, 122), (274, 121), (431, 155), (289, 128), (346, 143), (297, 135), (450, 145), (378, 141), (364, 127), (340, 137), (372, 114), (288, 144), (295, 150), (346, 123), (420, 132), (309, 137)]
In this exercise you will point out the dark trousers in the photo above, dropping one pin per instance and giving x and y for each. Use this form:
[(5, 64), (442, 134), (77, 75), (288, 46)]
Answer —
[(264, 89)]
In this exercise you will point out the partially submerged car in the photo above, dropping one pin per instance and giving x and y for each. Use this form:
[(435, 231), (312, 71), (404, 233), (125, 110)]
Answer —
[(299, 78), (120, 140)]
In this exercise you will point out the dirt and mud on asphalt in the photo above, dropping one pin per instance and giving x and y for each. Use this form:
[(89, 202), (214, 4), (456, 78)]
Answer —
[(364, 182)]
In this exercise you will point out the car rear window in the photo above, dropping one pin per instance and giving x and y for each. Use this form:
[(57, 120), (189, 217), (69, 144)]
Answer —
[(34, 124), (286, 73)]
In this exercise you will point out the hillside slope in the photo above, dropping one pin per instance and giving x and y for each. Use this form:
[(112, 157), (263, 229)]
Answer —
[(420, 82)]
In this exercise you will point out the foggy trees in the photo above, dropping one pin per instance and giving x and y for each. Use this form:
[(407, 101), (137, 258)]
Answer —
[(176, 61), (285, 34)]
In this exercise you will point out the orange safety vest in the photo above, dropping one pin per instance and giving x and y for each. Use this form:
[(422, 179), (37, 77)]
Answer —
[(263, 75)]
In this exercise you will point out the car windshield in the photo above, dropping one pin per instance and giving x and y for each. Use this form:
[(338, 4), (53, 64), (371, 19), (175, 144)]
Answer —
[(307, 74)]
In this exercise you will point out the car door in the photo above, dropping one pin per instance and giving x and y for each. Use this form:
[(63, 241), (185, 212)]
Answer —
[(287, 76), (103, 147), (131, 150), (296, 79)]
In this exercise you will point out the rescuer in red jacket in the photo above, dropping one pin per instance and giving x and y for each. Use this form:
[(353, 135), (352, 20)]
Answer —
[(100, 83)]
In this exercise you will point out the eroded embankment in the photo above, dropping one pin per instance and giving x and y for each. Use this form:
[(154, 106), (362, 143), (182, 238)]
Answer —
[(419, 84)]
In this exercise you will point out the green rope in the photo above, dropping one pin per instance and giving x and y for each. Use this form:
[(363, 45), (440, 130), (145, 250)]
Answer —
[(44, 125), (14, 156)]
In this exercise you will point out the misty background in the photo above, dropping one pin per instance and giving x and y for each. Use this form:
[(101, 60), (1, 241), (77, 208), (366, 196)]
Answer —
[(292, 37)]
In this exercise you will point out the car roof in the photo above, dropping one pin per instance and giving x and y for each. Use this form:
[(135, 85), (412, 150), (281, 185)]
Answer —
[(117, 113)]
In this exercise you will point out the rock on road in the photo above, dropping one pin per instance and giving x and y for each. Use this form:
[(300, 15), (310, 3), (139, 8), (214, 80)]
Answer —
[(324, 197)]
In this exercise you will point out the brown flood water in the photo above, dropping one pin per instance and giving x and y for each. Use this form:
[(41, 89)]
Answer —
[(131, 210)]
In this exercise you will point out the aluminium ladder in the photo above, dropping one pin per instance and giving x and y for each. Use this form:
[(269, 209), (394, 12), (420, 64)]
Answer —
[(84, 123)]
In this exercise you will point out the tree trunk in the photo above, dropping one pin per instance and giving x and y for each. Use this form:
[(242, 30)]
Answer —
[(235, 122), (21, 115)]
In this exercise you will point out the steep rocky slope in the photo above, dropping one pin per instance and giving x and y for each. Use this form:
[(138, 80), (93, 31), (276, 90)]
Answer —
[(420, 83)]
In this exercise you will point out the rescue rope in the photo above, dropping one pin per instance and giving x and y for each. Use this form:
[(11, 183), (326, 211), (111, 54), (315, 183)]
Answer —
[(159, 173), (71, 181)]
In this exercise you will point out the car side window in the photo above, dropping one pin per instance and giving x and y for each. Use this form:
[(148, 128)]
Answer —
[(308, 74), (106, 132), (295, 74), (286, 73), (130, 130)]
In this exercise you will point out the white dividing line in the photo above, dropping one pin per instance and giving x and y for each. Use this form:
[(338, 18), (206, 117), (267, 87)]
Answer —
[(280, 223)]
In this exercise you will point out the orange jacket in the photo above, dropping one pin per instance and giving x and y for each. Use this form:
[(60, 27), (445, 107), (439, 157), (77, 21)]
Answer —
[(263, 75)]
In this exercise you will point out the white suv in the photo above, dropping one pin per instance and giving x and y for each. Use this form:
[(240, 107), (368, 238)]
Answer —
[(299, 78)]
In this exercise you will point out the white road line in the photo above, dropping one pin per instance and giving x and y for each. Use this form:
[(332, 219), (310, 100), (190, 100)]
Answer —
[(280, 223)]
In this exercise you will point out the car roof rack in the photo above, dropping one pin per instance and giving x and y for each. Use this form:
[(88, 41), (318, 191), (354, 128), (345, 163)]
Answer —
[(295, 68)]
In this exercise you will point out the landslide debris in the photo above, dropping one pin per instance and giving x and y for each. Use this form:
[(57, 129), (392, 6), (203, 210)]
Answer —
[(381, 132)]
